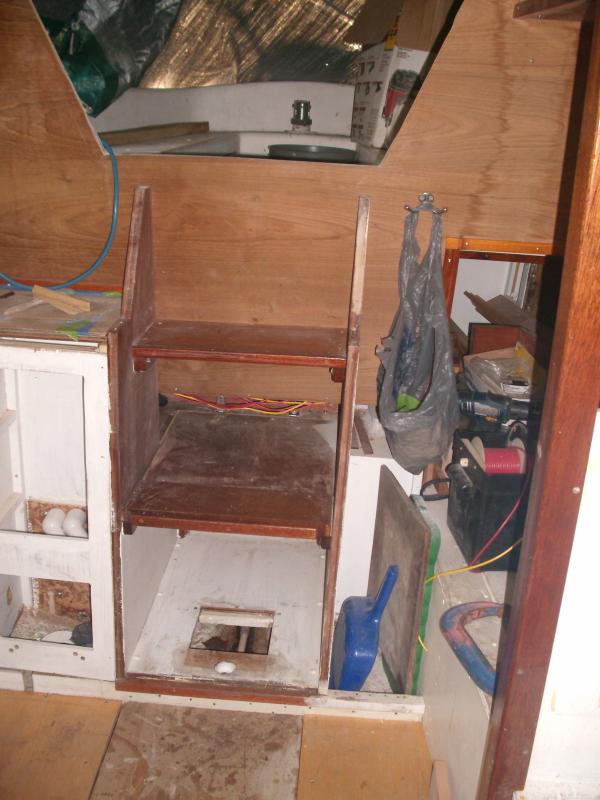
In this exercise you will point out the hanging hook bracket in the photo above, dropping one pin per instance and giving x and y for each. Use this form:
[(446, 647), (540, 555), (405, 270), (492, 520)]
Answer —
[(426, 204)]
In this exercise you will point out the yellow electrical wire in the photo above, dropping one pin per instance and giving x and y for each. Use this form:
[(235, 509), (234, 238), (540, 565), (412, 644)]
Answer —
[(474, 566), (468, 569), (292, 407)]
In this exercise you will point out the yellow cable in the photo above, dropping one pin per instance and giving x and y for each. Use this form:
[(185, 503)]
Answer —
[(468, 569), (293, 407), (474, 566)]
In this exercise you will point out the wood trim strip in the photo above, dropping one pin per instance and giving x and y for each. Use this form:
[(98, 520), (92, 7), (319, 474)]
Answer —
[(570, 409), (170, 520), (499, 246), (249, 693), (554, 9), (449, 274), (345, 430)]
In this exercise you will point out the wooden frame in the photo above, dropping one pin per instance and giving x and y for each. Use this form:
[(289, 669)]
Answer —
[(134, 393), (81, 560), (572, 395)]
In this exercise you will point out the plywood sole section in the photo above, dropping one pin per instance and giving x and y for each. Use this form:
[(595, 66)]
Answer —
[(190, 753), (345, 758), (52, 746), (233, 571)]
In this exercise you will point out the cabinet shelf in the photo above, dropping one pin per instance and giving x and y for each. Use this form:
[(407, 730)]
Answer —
[(240, 473), (255, 344)]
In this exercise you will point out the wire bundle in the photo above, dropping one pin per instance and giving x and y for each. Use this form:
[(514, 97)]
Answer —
[(259, 405)]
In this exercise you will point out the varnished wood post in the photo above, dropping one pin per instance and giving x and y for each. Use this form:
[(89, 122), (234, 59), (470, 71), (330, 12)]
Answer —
[(345, 429), (570, 408)]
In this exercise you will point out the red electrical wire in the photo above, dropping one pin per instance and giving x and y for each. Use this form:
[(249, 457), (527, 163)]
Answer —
[(503, 525)]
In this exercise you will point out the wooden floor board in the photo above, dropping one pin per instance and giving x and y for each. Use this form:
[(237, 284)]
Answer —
[(163, 752), (344, 758), (52, 746)]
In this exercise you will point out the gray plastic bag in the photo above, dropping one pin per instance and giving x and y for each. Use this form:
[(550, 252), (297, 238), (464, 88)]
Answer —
[(417, 398)]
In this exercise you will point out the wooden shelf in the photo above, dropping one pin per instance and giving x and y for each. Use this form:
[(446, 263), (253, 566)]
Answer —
[(256, 344), (240, 473)]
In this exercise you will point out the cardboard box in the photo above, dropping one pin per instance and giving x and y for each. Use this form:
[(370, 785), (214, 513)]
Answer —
[(385, 76)]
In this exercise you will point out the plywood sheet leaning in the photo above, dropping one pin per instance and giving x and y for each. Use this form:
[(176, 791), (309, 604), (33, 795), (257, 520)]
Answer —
[(52, 746), (344, 757), (401, 537), (270, 242), (191, 753)]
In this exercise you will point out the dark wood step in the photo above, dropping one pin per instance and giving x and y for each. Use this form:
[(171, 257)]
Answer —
[(240, 473), (257, 344)]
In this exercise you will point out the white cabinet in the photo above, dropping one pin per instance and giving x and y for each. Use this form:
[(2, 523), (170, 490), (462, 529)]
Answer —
[(54, 453)]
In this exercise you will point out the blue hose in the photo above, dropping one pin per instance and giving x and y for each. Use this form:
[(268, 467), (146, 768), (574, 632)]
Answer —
[(105, 250)]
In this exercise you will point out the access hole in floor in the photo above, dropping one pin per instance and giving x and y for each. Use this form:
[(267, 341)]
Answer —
[(233, 631)]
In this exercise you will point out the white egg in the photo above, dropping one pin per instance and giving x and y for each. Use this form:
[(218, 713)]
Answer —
[(74, 523), (52, 522)]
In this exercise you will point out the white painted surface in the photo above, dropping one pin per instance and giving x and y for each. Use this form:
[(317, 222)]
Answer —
[(144, 558), (242, 107), (456, 711), (50, 408), (11, 680), (89, 560), (485, 278), (565, 761), (360, 510), (281, 575)]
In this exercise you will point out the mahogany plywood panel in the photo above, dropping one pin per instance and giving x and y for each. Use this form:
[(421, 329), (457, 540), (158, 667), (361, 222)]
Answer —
[(270, 242), (343, 757), (52, 746), (191, 753)]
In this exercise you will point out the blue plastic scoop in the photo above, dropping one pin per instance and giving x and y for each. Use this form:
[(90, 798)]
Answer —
[(356, 636)]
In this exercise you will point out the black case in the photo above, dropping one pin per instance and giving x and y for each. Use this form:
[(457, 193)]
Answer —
[(479, 503)]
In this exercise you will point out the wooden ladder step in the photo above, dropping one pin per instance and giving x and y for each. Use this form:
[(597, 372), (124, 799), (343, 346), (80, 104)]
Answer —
[(255, 344)]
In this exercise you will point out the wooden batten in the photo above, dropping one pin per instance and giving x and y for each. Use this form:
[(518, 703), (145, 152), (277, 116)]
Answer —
[(254, 241)]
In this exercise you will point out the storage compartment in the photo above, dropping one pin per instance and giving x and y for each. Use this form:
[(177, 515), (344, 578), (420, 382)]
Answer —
[(55, 533), (183, 623), (42, 453), (44, 610), (237, 507)]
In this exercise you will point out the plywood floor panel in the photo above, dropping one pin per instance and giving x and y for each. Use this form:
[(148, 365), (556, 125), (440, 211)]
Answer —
[(164, 752), (52, 745), (344, 758), (233, 571)]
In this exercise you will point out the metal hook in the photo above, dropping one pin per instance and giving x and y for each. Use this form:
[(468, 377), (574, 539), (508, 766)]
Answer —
[(426, 204)]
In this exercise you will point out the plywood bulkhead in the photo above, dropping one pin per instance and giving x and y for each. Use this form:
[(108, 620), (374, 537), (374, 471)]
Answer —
[(259, 241)]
